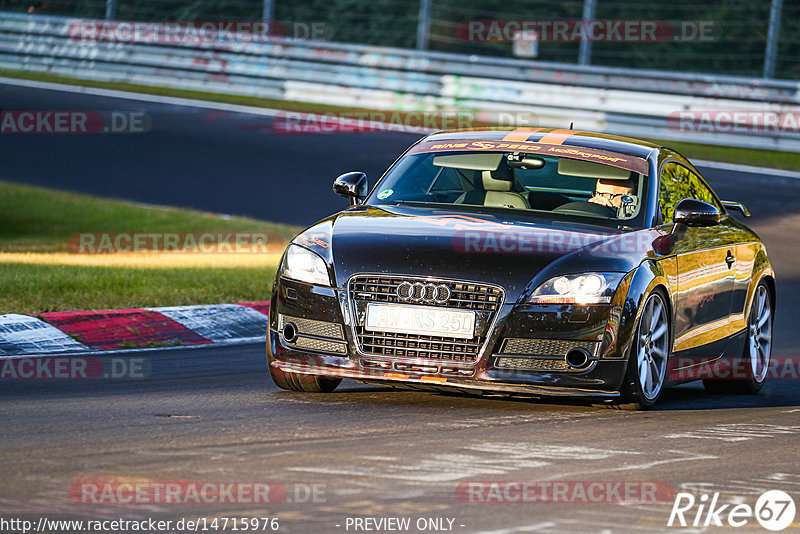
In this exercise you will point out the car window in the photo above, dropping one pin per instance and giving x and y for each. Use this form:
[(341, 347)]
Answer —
[(678, 182), (505, 180), (451, 180)]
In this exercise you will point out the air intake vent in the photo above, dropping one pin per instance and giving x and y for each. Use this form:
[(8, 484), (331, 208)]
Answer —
[(532, 364), (547, 347), (311, 327), (319, 345), (310, 334)]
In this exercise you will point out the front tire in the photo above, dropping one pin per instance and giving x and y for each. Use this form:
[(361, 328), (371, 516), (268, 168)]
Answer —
[(647, 364), (757, 350), (297, 381)]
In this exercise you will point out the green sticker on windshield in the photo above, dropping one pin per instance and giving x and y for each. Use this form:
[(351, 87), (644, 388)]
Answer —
[(386, 193)]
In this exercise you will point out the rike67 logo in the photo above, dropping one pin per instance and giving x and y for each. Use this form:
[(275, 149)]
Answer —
[(774, 510)]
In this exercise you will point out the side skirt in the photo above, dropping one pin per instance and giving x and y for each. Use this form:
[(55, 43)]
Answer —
[(707, 361)]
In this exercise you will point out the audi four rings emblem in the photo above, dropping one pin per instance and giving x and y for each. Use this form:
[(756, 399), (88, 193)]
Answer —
[(427, 293)]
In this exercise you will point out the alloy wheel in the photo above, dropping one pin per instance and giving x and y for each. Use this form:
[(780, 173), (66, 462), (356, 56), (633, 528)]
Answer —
[(652, 347)]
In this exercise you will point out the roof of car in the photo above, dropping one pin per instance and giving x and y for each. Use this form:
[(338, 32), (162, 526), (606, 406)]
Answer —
[(555, 136)]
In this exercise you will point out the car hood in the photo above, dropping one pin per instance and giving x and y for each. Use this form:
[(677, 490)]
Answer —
[(515, 251)]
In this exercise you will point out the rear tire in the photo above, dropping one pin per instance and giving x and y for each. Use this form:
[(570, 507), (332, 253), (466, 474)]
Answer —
[(650, 350), (297, 381), (757, 350)]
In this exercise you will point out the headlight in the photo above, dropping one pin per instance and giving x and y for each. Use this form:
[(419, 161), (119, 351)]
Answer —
[(588, 288), (303, 265)]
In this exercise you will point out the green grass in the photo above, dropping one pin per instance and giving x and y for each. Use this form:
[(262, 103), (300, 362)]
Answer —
[(747, 156), (33, 289), (37, 219), (36, 273)]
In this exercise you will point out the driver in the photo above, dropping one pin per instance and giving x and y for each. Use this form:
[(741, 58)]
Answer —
[(609, 192)]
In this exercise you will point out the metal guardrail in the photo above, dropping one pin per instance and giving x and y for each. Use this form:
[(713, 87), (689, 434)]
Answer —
[(620, 101)]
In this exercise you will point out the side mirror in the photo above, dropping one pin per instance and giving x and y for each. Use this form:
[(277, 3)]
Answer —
[(693, 212), (352, 185)]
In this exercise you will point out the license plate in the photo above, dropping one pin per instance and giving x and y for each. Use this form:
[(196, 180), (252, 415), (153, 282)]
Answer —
[(425, 320)]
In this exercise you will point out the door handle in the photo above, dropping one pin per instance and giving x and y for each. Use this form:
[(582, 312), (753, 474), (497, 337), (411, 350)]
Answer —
[(729, 259)]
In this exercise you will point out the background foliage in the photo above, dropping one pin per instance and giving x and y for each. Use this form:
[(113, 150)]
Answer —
[(740, 26)]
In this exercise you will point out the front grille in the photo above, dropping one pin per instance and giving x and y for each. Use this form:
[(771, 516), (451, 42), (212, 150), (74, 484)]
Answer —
[(463, 295), (419, 346), (546, 347), (485, 300)]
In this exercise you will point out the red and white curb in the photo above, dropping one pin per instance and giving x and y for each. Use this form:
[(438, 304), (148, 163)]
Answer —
[(220, 323), (96, 330), (23, 334)]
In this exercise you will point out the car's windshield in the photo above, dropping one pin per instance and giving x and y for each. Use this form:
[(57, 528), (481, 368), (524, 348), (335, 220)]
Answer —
[(517, 181)]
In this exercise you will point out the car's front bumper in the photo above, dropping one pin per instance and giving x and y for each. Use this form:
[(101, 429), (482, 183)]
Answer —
[(602, 377)]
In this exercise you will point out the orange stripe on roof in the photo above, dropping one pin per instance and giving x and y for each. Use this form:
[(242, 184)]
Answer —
[(520, 134), (557, 137)]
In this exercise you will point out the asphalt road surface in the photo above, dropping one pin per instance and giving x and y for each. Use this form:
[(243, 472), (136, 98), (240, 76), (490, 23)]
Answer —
[(212, 415)]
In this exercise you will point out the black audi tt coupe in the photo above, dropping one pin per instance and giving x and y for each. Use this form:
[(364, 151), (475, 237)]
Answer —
[(526, 262)]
